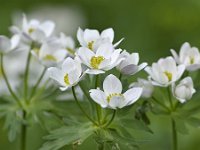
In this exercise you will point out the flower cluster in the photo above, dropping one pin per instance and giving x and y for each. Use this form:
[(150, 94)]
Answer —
[(91, 63)]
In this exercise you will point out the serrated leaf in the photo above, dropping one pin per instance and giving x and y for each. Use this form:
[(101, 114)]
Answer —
[(68, 135), (193, 121)]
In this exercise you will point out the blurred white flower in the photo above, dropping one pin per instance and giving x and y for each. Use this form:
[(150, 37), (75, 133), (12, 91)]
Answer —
[(92, 39), (112, 96), (7, 45), (104, 59), (67, 17), (184, 90), (50, 53), (146, 85), (165, 71), (189, 56), (129, 65), (68, 75), (34, 30), (68, 44)]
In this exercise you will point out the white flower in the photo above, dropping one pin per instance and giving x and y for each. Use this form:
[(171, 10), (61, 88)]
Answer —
[(129, 65), (33, 30), (7, 45), (146, 85), (112, 96), (165, 71), (184, 90), (92, 39), (68, 44), (68, 75), (104, 59), (50, 53), (189, 56)]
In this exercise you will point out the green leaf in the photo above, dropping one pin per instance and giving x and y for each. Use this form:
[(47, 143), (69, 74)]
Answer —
[(68, 135), (193, 121)]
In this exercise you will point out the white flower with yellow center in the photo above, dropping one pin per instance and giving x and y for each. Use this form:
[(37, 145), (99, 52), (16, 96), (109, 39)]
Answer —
[(112, 96), (189, 56), (68, 75), (7, 45), (165, 71), (129, 65), (33, 30), (92, 39), (184, 90), (105, 58), (50, 53)]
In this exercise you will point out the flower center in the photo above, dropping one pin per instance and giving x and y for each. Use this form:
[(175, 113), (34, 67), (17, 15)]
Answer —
[(169, 75), (109, 97), (191, 60), (71, 51), (31, 30), (66, 79), (50, 58), (90, 45), (96, 61)]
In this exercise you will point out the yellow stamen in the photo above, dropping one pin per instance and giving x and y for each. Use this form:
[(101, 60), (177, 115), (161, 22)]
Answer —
[(90, 45), (71, 51), (191, 60), (169, 75), (112, 95), (50, 58), (66, 79), (96, 61), (31, 30), (36, 50)]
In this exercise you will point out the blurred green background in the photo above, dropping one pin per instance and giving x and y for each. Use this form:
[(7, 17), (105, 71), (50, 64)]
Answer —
[(150, 27)]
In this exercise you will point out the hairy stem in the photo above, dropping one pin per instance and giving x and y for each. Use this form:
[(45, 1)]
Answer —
[(112, 118), (26, 75), (81, 108), (38, 82), (8, 84), (23, 133), (174, 135)]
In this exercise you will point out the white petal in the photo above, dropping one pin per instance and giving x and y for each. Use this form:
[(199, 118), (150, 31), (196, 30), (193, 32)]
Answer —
[(99, 97), (80, 38), (193, 67), (175, 55), (70, 64), (91, 35), (181, 69), (47, 27), (105, 50), (60, 55), (132, 95), (38, 35), (57, 75), (116, 44), (117, 102), (108, 33), (5, 44), (112, 85), (85, 55), (15, 41), (94, 71)]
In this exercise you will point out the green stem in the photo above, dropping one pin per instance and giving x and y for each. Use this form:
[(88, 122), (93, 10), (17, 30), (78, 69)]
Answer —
[(101, 146), (120, 76), (79, 105), (26, 74), (8, 84), (23, 134), (170, 98), (38, 82), (112, 118), (174, 135)]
